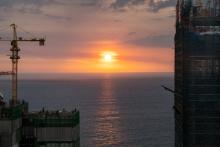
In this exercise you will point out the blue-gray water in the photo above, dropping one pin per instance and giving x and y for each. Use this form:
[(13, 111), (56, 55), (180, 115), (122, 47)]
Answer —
[(116, 111)]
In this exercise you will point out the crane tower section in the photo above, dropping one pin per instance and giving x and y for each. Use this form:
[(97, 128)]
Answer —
[(14, 58)]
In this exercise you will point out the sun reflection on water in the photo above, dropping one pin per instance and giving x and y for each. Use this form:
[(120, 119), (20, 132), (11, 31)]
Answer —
[(107, 121)]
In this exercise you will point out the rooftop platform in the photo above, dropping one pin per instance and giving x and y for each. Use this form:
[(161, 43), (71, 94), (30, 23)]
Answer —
[(57, 118)]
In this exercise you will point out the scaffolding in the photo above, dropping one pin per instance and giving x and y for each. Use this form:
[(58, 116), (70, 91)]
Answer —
[(197, 74), (11, 124), (52, 129)]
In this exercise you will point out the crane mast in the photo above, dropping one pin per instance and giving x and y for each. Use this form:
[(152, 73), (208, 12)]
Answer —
[(14, 60)]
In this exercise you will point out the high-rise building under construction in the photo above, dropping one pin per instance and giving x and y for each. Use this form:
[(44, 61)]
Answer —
[(197, 73)]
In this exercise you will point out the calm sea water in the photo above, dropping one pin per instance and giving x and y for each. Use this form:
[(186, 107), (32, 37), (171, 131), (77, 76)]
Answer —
[(116, 111)]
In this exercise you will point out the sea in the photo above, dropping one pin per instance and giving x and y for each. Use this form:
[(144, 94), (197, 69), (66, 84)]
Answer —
[(116, 110)]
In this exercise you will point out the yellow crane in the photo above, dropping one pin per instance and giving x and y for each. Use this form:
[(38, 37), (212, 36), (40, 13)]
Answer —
[(14, 58)]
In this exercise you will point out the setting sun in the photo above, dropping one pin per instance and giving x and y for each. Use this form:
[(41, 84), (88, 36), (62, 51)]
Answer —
[(108, 57)]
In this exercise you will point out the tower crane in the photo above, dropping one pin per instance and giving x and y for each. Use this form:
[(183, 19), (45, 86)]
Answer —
[(14, 60)]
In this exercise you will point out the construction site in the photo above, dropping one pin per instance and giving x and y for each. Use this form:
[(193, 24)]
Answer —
[(44, 128), (197, 73), (196, 93)]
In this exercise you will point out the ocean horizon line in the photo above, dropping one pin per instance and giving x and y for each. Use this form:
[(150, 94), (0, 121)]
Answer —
[(65, 76)]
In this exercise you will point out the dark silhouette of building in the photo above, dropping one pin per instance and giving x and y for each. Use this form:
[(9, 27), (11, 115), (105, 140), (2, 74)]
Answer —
[(197, 73)]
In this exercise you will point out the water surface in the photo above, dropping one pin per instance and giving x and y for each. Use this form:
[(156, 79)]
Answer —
[(121, 111)]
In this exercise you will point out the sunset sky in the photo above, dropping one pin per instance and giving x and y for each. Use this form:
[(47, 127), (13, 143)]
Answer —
[(138, 35)]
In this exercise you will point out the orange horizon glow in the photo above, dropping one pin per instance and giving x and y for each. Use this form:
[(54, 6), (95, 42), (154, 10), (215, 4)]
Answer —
[(104, 57)]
